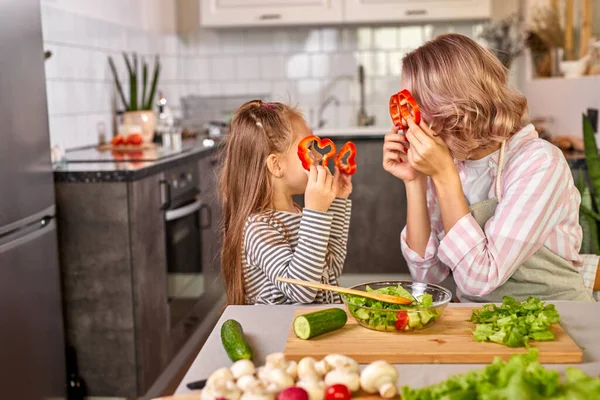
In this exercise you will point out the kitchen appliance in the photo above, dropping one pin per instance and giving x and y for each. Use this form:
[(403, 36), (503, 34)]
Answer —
[(32, 335), (448, 341), (185, 218)]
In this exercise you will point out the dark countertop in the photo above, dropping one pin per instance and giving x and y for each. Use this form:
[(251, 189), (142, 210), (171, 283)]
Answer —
[(91, 166)]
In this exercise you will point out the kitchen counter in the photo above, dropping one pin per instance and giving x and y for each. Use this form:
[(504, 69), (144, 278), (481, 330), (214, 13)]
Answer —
[(267, 327), (90, 165)]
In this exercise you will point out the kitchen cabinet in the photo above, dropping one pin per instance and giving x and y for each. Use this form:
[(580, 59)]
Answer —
[(356, 11), (230, 13)]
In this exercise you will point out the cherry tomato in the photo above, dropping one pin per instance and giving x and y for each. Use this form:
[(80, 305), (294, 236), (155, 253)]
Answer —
[(117, 140), (134, 139), (338, 392), (401, 320)]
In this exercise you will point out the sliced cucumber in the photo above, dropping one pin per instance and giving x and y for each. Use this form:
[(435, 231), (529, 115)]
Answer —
[(413, 319), (361, 313), (319, 322), (425, 316)]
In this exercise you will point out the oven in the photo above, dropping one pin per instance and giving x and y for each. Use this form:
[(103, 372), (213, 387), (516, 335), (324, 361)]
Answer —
[(184, 213)]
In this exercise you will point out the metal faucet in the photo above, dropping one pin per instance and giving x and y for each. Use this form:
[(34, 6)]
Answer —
[(363, 118), (323, 106)]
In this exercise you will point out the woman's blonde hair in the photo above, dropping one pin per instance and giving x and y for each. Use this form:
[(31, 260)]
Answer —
[(462, 91), (257, 130)]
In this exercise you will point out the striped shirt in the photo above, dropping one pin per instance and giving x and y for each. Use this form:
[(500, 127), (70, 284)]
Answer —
[(539, 207), (309, 246)]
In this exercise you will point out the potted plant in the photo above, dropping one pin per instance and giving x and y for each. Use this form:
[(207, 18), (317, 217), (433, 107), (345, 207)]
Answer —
[(505, 38), (138, 111), (590, 192)]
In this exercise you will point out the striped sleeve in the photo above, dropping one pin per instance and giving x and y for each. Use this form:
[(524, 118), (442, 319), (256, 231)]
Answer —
[(267, 248), (533, 203), (338, 241), (429, 268)]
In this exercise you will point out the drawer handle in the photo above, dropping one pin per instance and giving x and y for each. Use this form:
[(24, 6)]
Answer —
[(416, 12), (267, 17)]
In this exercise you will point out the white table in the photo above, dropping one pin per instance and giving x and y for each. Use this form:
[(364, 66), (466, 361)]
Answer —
[(267, 328)]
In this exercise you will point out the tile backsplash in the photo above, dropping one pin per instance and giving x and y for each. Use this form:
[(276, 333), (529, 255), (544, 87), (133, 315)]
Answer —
[(302, 66)]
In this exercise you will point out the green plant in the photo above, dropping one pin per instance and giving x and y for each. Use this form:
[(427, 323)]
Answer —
[(147, 98), (590, 192)]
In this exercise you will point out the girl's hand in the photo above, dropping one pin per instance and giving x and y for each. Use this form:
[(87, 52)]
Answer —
[(320, 191), (428, 154), (395, 159), (343, 184)]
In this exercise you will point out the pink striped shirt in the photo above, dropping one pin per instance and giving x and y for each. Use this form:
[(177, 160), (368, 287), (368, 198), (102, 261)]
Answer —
[(539, 207)]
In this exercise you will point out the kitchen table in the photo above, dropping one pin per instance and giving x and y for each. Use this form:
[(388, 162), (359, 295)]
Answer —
[(267, 329)]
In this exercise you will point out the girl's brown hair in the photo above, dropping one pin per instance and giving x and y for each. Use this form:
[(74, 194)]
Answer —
[(257, 130), (462, 91)]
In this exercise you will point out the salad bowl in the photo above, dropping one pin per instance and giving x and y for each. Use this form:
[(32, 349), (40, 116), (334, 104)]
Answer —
[(429, 303)]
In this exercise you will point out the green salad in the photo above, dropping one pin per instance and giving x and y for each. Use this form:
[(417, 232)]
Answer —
[(514, 323), (397, 317), (523, 377)]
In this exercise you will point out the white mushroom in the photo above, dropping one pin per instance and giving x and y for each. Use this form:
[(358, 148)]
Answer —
[(307, 370), (220, 375), (345, 377), (381, 377), (220, 389), (338, 361), (277, 380), (257, 391), (292, 369), (242, 368), (246, 382), (322, 367), (314, 387), (276, 360)]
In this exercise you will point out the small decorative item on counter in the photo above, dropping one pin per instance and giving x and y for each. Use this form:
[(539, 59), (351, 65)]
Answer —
[(57, 154), (306, 151), (505, 38), (101, 126), (139, 113), (349, 167), (546, 40), (399, 110), (568, 143), (317, 323)]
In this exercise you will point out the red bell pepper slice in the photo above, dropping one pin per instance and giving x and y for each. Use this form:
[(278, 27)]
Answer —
[(401, 320), (304, 150), (399, 110), (350, 167)]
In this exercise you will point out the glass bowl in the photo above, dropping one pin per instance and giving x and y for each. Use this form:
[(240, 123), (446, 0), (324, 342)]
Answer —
[(401, 318)]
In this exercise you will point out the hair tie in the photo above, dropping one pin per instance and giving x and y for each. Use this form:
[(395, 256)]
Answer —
[(268, 106)]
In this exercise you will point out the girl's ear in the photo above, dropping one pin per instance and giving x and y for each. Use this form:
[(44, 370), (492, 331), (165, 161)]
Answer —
[(274, 166)]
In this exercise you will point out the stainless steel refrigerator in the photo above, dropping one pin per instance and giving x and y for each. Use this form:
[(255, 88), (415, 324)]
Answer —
[(32, 348)]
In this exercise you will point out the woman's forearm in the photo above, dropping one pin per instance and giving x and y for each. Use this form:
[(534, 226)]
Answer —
[(453, 206), (418, 228)]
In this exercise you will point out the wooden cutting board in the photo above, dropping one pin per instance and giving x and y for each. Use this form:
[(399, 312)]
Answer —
[(448, 341)]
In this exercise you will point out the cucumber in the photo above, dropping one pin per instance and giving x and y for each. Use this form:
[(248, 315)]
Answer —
[(426, 316), (361, 313), (413, 319), (234, 341), (316, 323)]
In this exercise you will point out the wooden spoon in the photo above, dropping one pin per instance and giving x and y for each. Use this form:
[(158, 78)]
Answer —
[(386, 298)]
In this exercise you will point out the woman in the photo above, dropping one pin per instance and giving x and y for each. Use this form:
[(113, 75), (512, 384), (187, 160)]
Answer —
[(488, 200)]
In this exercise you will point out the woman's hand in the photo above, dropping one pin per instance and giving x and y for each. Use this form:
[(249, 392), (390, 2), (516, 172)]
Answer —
[(320, 191), (342, 183), (428, 153), (395, 159)]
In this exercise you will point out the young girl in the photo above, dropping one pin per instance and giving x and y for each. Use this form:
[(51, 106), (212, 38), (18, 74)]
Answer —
[(265, 234), (488, 200)]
